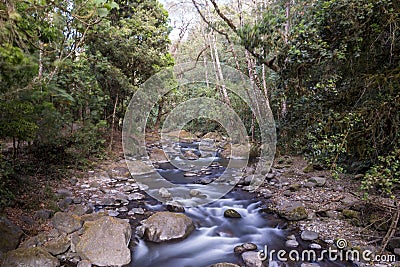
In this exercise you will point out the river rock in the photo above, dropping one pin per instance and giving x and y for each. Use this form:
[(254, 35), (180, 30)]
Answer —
[(43, 214), (134, 211), (84, 263), (292, 244), (63, 193), (165, 226), (158, 155), (318, 181), (194, 193), (251, 259), (309, 235), (163, 192), (239, 249), (66, 222), (81, 209), (10, 235), (63, 204), (29, 257), (266, 193), (105, 242), (231, 213), (309, 264), (249, 246), (292, 211), (213, 136), (120, 172), (224, 264), (190, 155), (58, 245), (175, 207), (205, 180), (190, 174), (136, 196), (315, 246), (138, 167)]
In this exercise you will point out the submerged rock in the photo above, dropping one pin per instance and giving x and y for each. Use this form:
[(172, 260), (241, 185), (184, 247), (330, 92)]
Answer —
[(165, 226), (30, 257), (231, 213), (164, 193), (105, 242)]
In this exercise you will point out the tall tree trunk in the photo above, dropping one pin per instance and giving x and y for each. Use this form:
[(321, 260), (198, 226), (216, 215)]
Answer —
[(113, 122), (220, 74), (206, 70)]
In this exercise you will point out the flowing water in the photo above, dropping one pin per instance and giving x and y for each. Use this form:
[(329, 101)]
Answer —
[(215, 236)]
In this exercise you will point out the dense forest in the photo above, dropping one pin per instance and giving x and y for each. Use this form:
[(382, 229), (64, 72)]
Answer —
[(329, 69)]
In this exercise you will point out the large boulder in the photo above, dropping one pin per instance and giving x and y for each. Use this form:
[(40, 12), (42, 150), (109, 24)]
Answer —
[(138, 167), (292, 211), (29, 257), (66, 222), (251, 259), (58, 245), (105, 242), (10, 235), (165, 226)]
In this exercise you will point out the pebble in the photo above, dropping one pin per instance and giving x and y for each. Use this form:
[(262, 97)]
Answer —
[(292, 244), (136, 211), (309, 235), (113, 213), (315, 246), (249, 246), (291, 237)]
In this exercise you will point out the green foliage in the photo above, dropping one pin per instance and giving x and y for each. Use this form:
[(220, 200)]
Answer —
[(339, 74), (17, 120), (384, 175)]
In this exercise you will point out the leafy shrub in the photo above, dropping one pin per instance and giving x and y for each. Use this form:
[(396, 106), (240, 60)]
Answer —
[(385, 175)]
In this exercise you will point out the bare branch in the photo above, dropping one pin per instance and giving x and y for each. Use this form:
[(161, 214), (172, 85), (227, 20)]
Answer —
[(208, 22), (228, 21)]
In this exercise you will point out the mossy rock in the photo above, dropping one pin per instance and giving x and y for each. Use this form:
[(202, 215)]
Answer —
[(351, 214), (308, 168)]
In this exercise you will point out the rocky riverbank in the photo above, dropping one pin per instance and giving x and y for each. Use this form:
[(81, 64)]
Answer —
[(102, 210)]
